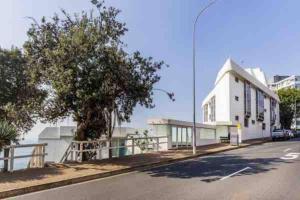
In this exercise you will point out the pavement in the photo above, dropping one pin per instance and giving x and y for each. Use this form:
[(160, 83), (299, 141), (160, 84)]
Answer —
[(267, 171), (32, 180)]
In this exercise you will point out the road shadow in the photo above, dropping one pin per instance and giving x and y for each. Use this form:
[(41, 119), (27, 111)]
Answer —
[(28, 175), (210, 169)]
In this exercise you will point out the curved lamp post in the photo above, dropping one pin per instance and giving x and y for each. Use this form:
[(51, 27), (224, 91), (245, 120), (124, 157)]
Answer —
[(194, 76)]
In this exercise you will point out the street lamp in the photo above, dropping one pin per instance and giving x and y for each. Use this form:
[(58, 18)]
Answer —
[(194, 76), (295, 114)]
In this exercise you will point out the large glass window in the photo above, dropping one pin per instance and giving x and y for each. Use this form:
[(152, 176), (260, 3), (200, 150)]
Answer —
[(205, 111), (247, 94), (212, 105), (260, 105)]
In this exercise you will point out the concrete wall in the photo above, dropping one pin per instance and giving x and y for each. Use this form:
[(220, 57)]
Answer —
[(56, 148)]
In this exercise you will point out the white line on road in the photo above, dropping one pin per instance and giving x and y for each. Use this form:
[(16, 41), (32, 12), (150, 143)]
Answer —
[(235, 173), (286, 150)]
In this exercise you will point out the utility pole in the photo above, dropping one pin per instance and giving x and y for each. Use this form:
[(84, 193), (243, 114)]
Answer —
[(194, 75), (295, 114)]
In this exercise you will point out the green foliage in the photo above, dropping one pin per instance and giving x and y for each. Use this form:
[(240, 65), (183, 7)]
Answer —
[(19, 100), (8, 134), (82, 61), (288, 99)]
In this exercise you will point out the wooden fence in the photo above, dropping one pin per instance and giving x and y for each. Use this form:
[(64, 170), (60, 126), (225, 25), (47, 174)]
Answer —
[(37, 156)]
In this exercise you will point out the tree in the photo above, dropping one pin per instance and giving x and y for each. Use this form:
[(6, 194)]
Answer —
[(19, 100), (82, 61), (288, 99)]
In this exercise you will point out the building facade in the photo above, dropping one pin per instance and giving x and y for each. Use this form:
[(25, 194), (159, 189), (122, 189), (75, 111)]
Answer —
[(241, 97), (284, 82)]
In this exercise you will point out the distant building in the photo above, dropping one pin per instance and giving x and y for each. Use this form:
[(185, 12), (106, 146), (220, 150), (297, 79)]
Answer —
[(284, 82), (242, 97)]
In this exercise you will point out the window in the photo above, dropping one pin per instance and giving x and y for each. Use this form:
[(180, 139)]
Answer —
[(253, 121), (236, 98), (237, 118), (212, 106), (246, 122), (260, 109), (205, 111), (263, 126), (247, 99), (236, 79)]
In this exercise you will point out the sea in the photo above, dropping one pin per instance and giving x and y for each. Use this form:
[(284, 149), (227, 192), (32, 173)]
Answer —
[(21, 163)]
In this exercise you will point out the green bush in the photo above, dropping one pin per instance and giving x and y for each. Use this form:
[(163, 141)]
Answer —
[(8, 134)]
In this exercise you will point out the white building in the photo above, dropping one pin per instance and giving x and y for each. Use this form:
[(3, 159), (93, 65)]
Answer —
[(285, 82), (59, 138), (241, 97)]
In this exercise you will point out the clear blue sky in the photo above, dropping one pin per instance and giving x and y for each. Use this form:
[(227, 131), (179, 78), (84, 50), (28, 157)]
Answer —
[(259, 33)]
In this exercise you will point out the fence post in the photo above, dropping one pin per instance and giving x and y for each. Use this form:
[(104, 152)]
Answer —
[(100, 150), (157, 144), (132, 147), (72, 152), (6, 155), (11, 164), (81, 151), (43, 156)]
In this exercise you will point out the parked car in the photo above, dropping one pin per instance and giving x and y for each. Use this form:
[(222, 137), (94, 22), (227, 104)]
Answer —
[(298, 133), (279, 134), (290, 133)]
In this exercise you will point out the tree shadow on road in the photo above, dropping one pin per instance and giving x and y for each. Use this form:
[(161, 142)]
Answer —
[(210, 169)]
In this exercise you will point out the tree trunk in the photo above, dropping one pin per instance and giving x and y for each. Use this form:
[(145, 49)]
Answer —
[(81, 136)]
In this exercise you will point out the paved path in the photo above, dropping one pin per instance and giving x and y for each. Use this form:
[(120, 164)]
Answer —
[(268, 171)]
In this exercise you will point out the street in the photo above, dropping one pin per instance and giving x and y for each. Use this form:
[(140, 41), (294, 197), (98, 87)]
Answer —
[(268, 171)]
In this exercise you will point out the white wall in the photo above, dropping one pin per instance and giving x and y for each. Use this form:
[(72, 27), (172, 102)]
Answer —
[(56, 148), (236, 107), (221, 93)]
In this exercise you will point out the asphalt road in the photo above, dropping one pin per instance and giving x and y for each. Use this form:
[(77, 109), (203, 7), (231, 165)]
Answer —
[(268, 171)]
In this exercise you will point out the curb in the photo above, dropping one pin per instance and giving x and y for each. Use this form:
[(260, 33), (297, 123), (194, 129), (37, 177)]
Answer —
[(143, 167)]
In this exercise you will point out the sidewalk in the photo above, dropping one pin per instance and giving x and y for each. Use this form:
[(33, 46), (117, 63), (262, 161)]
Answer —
[(30, 180)]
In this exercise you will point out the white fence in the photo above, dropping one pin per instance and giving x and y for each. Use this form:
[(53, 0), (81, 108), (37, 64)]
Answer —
[(99, 149), (37, 156)]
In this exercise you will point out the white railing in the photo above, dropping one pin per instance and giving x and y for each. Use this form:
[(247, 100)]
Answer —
[(99, 149), (37, 156)]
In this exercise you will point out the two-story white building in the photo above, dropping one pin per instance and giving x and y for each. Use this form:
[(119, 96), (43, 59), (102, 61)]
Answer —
[(241, 97)]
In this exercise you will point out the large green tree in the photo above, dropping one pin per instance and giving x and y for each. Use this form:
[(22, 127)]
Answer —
[(19, 100), (82, 62), (288, 99)]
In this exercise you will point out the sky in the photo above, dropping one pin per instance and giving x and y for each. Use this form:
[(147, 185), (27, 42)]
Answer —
[(256, 33)]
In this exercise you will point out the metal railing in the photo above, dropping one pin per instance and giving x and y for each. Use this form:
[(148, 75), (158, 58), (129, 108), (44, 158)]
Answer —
[(99, 149), (37, 156)]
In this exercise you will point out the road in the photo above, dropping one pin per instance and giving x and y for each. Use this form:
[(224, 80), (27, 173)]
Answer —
[(268, 171)]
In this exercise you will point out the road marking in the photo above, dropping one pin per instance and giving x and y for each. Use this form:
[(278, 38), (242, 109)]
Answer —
[(286, 150), (235, 173), (290, 156)]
